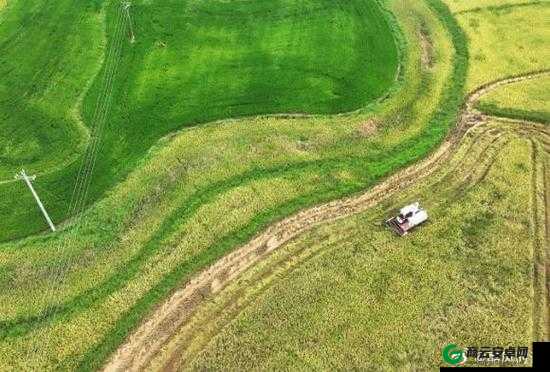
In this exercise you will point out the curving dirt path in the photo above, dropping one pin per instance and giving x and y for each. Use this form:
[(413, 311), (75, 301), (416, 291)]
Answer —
[(466, 168), (153, 334)]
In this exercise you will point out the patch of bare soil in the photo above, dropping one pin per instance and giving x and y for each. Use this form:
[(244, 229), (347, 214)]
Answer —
[(156, 331), (367, 128), (426, 56)]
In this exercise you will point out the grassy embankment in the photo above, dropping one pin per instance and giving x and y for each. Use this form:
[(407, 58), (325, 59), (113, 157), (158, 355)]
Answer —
[(192, 62), (352, 294)]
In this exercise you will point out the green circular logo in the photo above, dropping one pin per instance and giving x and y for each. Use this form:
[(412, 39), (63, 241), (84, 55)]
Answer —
[(454, 355)]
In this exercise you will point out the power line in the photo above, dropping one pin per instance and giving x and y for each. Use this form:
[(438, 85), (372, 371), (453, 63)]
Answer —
[(28, 180), (126, 7)]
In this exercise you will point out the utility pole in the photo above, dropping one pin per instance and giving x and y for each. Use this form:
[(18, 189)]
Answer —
[(23, 176), (126, 8)]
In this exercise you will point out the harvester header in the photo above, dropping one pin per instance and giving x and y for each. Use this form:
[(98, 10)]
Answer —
[(408, 218)]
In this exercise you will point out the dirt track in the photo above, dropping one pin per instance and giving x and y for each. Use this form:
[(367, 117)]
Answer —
[(150, 337)]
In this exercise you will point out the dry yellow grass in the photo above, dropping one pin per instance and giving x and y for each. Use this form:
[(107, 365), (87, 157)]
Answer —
[(468, 5), (162, 186), (506, 42), (532, 95), (454, 279), (528, 99)]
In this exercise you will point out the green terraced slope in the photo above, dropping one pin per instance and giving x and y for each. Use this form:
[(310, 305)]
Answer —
[(68, 68)]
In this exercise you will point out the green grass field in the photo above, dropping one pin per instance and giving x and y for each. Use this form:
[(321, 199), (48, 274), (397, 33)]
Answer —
[(168, 147), (192, 62)]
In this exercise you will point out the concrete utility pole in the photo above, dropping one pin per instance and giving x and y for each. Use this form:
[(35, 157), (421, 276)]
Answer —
[(23, 176), (126, 8)]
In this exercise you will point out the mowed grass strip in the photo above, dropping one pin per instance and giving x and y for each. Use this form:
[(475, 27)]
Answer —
[(453, 95), (192, 62)]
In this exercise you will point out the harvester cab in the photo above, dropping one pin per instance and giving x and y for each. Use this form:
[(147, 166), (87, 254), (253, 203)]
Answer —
[(409, 217)]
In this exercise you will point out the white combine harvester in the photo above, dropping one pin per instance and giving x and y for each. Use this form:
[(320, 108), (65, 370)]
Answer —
[(409, 217)]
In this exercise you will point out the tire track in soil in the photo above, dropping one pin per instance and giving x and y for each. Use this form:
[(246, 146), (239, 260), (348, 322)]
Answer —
[(233, 304), (149, 338), (229, 309)]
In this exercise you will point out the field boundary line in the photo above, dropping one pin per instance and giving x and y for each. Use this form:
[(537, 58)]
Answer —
[(83, 180), (261, 281), (502, 7)]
